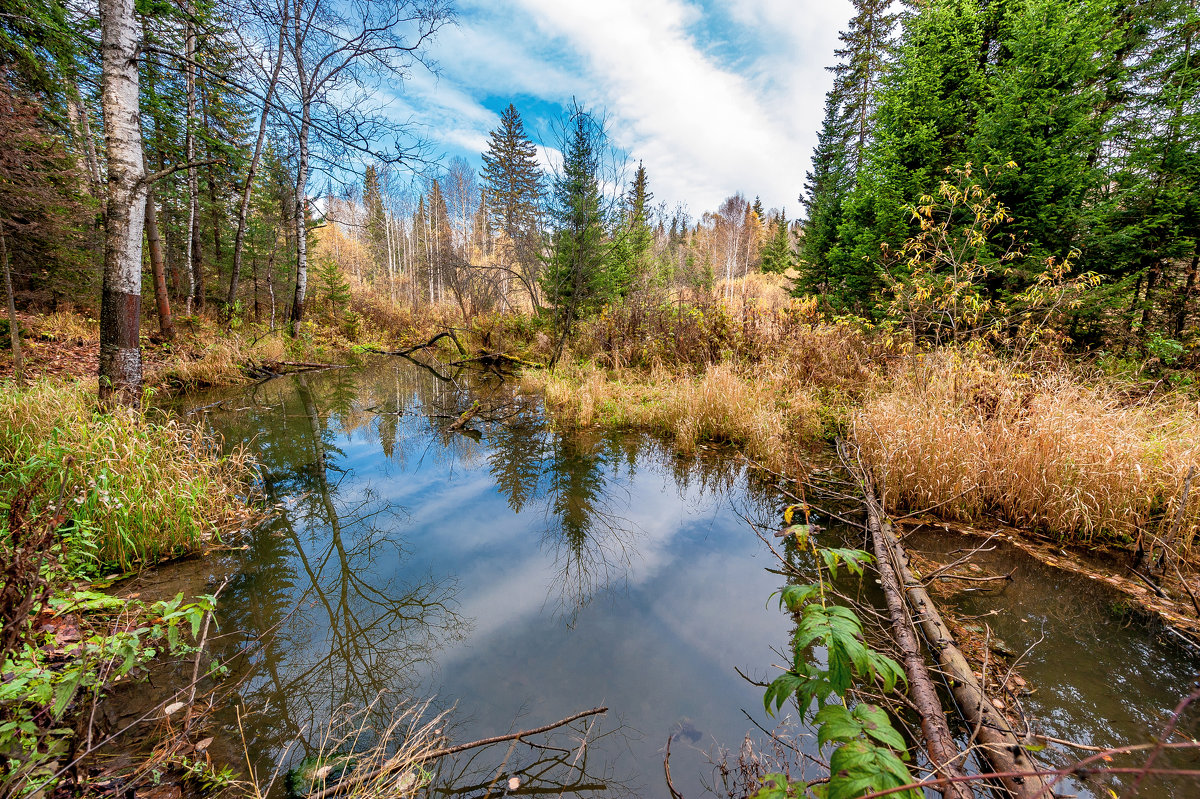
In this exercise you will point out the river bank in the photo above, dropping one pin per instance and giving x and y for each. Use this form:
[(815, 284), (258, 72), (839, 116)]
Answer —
[(1090, 461)]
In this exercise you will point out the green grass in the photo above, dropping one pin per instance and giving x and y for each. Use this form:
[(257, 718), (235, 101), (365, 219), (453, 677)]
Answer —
[(136, 488)]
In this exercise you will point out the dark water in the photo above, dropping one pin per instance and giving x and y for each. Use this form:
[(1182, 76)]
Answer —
[(519, 574)]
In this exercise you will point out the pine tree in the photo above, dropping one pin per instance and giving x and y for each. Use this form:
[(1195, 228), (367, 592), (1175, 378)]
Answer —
[(512, 189)]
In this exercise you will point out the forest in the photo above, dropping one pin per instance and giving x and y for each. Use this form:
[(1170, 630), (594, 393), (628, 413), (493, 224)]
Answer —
[(981, 317)]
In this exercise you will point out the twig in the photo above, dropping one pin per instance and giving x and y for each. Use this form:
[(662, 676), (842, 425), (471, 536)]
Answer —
[(451, 750), (667, 770)]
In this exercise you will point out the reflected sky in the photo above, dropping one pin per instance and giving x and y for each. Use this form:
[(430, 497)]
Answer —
[(516, 573)]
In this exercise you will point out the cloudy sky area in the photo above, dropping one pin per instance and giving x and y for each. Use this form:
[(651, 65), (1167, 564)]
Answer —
[(715, 96)]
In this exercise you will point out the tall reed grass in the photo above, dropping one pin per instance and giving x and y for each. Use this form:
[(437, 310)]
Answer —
[(971, 437), (769, 418), (137, 489)]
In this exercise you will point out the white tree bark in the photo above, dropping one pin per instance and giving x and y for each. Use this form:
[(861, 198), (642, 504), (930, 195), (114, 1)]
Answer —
[(121, 301)]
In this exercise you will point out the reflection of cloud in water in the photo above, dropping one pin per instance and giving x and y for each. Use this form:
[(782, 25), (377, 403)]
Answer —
[(529, 575)]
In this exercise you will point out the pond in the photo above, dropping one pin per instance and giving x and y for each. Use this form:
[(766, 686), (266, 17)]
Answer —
[(519, 574)]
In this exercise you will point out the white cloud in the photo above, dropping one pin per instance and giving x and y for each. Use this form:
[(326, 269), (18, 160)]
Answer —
[(707, 119)]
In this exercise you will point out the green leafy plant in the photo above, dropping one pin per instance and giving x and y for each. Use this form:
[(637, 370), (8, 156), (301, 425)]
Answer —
[(41, 681), (869, 753)]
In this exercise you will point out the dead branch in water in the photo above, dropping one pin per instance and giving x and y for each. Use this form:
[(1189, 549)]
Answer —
[(451, 750)]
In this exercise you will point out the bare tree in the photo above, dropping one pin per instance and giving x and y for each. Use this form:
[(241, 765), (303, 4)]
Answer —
[(268, 36), (338, 52)]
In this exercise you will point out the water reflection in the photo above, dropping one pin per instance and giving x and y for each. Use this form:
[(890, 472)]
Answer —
[(512, 570)]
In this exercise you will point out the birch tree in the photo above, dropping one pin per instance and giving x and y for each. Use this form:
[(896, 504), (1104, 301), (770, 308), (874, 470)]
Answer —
[(121, 298)]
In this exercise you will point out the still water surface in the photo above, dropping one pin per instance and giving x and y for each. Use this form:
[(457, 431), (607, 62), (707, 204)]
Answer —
[(520, 574)]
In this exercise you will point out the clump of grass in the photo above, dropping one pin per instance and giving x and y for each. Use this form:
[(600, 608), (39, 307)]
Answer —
[(973, 437), (761, 412), (137, 489), (67, 326), (369, 753), (222, 361)]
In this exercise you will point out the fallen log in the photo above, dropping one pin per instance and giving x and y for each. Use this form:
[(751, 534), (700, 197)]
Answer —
[(939, 742), (494, 359), (998, 741)]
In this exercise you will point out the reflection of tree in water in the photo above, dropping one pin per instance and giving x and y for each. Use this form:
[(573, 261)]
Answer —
[(592, 542), (356, 632)]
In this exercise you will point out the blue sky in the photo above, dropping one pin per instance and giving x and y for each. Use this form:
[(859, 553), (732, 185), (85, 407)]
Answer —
[(715, 96)]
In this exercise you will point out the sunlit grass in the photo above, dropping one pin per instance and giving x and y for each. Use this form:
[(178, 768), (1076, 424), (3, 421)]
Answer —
[(974, 437)]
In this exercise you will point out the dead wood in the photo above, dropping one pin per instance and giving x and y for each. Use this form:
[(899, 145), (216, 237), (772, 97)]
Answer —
[(494, 359), (444, 334), (999, 743), (939, 743), (451, 750), (465, 417)]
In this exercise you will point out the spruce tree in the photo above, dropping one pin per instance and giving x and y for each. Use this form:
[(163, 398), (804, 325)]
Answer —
[(862, 59), (376, 218), (826, 187), (512, 188), (578, 278), (638, 237), (778, 254)]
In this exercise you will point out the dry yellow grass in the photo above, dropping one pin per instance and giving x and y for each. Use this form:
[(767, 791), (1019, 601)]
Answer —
[(973, 437), (769, 418), (66, 326)]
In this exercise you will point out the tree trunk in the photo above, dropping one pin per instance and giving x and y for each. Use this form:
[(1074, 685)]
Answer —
[(14, 326), (1188, 290), (195, 254), (78, 115), (998, 742), (158, 268), (121, 298), (943, 753), (301, 210)]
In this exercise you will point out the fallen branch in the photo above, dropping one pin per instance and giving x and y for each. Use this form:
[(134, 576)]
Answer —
[(466, 416), (444, 334), (450, 750), (939, 742), (999, 742)]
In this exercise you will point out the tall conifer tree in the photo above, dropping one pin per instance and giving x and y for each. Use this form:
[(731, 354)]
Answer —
[(512, 189)]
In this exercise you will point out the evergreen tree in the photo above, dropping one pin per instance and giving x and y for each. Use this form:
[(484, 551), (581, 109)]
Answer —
[(757, 206), (637, 240), (826, 187), (376, 218), (1150, 240), (928, 108), (512, 189), (778, 254), (862, 59), (578, 277)]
